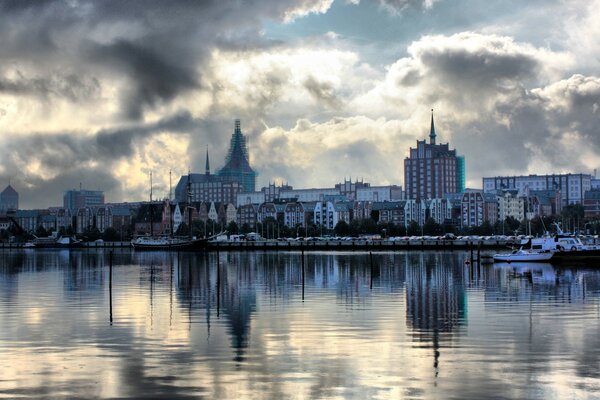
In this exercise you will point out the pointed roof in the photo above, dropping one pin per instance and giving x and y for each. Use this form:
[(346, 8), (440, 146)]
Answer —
[(9, 190), (207, 168), (432, 130), (237, 158)]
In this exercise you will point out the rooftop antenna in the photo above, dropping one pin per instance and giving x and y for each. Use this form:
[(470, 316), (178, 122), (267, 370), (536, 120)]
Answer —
[(170, 187)]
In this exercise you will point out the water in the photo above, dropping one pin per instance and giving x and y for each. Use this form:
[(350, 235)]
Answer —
[(420, 326)]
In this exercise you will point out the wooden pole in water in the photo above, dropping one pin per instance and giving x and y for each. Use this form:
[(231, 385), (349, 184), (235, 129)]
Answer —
[(471, 246), (302, 250), (110, 254), (371, 275), (479, 253), (218, 284)]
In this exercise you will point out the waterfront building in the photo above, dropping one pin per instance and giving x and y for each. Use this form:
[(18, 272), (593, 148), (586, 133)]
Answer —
[(349, 189), (431, 171), (294, 215), (266, 210), (379, 193), (5, 223), (9, 199), (29, 220), (390, 212), (250, 198), (48, 222), (542, 203), (591, 203), (234, 178), (311, 195), (414, 210), (328, 213), (571, 186), (510, 204), (230, 213), (362, 209), (246, 215), (76, 199), (237, 166), (477, 207), (439, 209)]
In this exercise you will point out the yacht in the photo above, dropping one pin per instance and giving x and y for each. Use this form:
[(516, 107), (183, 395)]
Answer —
[(167, 243), (525, 255)]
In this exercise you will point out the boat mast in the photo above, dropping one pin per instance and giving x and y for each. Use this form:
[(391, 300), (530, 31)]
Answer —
[(151, 208), (189, 205), (169, 208)]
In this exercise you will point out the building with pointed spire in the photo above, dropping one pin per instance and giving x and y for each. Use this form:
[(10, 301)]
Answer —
[(235, 177), (237, 165), (9, 199), (432, 170), (206, 187)]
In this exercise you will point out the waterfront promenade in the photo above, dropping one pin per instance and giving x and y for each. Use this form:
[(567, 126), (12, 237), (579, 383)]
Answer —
[(358, 244)]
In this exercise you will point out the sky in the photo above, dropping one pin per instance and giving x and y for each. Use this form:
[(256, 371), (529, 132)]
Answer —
[(102, 93)]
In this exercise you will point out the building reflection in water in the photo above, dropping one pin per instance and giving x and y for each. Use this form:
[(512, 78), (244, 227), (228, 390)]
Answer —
[(240, 298), (436, 300)]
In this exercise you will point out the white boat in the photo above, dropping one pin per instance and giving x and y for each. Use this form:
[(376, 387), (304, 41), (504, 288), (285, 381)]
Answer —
[(166, 243), (525, 256)]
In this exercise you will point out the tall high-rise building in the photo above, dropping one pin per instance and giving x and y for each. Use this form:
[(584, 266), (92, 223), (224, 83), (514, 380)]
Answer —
[(75, 199), (432, 170), (9, 199), (237, 165)]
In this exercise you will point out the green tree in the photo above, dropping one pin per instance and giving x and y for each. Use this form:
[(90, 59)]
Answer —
[(110, 234), (432, 228), (91, 233), (245, 228), (232, 228), (414, 229), (342, 228), (486, 228), (369, 226)]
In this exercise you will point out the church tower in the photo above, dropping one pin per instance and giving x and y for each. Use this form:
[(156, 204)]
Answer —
[(237, 167)]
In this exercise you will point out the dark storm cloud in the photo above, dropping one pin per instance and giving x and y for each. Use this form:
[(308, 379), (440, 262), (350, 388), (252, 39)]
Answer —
[(70, 154), (69, 86), (322, 92), (157, 47), (156, 78), (125, 59)]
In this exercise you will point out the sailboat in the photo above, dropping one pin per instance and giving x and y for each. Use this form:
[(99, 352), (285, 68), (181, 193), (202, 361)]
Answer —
[(168, 242)]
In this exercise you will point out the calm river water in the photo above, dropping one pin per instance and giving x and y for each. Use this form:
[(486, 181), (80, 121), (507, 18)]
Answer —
[(421, 325)]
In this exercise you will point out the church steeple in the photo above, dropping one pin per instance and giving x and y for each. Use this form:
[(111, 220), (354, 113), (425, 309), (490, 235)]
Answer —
[(207, 168), (432, 131)]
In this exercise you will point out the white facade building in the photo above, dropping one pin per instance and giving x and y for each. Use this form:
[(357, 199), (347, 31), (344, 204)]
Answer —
[(303, 195), (250, 198), (571, 186), (510, 204), (379, 193)]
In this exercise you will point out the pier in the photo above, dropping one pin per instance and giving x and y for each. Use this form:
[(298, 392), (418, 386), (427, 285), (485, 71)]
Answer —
[(358, 244)]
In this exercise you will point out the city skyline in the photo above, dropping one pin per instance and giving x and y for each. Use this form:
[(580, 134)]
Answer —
[(103, 93)]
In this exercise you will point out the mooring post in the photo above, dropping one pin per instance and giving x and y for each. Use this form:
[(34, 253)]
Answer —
[(110, 256), (371, 274), (471, 247), (218, 285), (479, 253), (302, 251)]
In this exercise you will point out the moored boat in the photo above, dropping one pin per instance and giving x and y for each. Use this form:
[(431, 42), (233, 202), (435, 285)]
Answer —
[(167, 243), (523, 255), (52, 242)]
